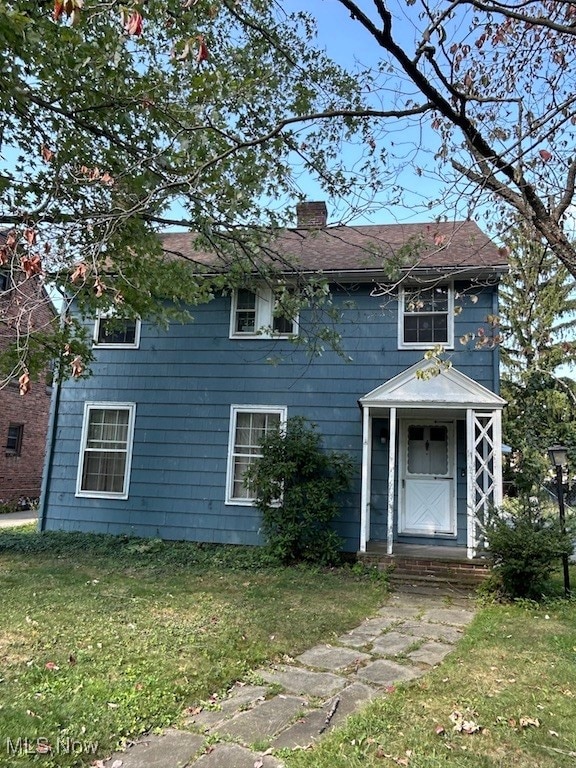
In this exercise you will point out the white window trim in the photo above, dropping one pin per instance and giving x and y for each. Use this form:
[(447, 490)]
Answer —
[(449, 343), (89, 406), (264, 317), (107, 345), (282, 410)]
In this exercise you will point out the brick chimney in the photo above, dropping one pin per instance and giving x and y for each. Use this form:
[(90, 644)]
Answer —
[(311, 215)]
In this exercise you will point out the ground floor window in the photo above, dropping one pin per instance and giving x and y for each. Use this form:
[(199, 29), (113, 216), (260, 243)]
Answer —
[(106, 450), (14, 439), (248, 425)]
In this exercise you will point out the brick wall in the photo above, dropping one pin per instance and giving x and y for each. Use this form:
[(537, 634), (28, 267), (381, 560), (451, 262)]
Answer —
[(22, 308), (21, 475)]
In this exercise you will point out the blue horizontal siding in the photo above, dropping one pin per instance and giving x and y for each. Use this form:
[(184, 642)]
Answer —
[(184, 380)]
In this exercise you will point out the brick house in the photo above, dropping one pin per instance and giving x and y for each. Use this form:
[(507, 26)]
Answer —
[(24, 304)]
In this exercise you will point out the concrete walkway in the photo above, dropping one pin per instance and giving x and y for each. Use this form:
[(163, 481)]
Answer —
[(296, 702), (13, 519)]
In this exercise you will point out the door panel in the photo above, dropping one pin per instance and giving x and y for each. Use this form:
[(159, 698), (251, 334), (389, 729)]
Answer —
[(427, 505)]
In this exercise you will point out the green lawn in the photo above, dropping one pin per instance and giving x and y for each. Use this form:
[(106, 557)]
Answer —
[(105, 638)]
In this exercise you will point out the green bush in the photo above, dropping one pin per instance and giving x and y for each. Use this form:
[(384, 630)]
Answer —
[(296, 485), (526, 547)]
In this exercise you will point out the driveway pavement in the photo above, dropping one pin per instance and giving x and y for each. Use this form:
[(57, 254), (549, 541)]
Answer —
[(13, 519)]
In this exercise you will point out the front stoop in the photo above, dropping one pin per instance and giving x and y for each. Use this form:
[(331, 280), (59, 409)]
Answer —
[(404, 568)]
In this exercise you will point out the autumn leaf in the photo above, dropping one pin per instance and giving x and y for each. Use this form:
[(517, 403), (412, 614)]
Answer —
[(31, 265), (545, 155), (77, 366), (99, 287), (133, 25), (47, 153), (51, 666), (203, 54), (24, 383), (30, 236), (527, 722), (79, 273)]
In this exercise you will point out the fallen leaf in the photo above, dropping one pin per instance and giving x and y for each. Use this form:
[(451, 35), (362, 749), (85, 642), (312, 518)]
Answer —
[(51, 665), (526, 722)]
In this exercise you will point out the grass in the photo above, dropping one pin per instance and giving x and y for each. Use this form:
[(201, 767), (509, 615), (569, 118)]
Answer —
[(104, 638), (513, 675)]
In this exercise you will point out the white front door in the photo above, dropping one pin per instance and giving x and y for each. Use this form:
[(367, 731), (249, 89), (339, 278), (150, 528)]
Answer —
[(427, 461)]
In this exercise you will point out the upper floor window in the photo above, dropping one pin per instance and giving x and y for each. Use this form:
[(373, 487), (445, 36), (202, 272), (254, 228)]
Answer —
[(14, 439), (426, 316), (106, 450), (110, 330), (3, 281), (248, 426), (258, 313)]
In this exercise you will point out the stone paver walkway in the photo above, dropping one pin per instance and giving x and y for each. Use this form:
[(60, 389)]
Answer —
[(295, 703)]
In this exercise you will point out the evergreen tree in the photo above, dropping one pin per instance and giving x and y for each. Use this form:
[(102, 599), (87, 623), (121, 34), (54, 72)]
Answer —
[(538, 304)]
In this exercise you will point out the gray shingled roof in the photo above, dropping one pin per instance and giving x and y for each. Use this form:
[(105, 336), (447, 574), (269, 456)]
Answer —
[(450, 246)]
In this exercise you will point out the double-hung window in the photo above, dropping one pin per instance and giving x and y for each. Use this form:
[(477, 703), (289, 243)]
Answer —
[(111, 330), (426, 317), (258, 313), (248, 426), (106, 450)]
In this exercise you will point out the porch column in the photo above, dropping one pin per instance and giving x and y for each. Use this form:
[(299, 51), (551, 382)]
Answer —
[(365, 478), (470, 486), (391, 480)]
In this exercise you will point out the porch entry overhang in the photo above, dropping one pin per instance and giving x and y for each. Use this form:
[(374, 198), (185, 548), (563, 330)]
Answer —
[(426, 393)]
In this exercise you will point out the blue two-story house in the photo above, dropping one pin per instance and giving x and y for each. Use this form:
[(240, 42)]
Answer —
[(156, 442)]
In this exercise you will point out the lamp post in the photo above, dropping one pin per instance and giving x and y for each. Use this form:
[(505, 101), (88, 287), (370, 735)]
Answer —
[(559, 456)]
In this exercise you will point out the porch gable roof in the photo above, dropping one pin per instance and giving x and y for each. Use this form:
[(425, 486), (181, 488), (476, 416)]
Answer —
[(448, 388)]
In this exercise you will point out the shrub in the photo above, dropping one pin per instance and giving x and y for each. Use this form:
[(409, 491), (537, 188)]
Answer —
[(296, 485), (526, 547)]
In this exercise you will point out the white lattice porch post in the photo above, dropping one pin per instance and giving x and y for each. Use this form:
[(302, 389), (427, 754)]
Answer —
[(497, 417)]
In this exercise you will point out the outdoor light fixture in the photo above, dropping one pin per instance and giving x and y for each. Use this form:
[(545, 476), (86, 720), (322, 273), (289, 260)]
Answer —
[(559, 457)]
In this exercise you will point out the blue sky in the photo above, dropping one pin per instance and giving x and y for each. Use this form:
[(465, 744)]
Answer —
[(346, 41)]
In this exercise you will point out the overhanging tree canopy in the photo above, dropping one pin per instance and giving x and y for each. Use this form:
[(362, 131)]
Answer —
[(119, 119)]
